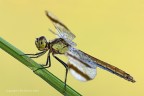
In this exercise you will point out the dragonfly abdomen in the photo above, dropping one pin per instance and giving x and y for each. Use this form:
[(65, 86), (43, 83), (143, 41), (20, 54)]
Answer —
[(117, 72), (113, 69)]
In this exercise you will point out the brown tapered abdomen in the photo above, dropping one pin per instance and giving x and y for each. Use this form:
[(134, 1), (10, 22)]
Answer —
[(112, 69)]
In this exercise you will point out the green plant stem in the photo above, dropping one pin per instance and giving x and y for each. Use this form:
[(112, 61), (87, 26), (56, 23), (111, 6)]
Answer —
[(44, 74)]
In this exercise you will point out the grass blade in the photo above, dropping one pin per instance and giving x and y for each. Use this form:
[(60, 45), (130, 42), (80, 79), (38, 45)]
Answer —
[(44, 74)]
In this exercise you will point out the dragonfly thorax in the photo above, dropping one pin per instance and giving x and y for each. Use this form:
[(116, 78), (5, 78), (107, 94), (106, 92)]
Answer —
[(59, 46), (41, 43)]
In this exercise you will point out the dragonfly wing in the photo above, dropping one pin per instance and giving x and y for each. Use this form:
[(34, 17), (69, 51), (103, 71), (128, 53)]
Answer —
[(92, 63), (85, 59), (79, 70), (61, 30), (78, 66)]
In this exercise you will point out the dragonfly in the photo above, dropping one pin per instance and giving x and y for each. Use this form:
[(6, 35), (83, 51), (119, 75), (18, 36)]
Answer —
[(80, 64)]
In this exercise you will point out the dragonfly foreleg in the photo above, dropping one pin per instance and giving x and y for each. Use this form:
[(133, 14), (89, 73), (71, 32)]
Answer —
[(65, 65), (36, 55), (48, 62)]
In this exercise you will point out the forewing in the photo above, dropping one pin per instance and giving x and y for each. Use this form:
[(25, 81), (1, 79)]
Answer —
[(62, 30)]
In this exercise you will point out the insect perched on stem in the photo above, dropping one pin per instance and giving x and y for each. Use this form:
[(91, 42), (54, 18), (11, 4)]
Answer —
[(80, 64)]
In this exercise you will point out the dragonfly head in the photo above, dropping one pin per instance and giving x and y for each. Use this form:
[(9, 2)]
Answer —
[(41, 43)]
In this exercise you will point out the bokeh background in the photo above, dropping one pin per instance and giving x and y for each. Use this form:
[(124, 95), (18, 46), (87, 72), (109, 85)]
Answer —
[(111, 30)]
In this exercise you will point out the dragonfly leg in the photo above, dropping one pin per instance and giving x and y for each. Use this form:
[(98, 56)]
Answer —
[(35, 55), (65, 65), (48, 62)]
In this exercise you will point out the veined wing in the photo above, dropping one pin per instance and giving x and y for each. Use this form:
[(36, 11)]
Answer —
[(61, 30), (80, 65), (91, 62)]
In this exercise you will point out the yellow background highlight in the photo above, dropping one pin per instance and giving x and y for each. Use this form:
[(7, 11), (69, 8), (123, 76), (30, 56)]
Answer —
[(111, 30)]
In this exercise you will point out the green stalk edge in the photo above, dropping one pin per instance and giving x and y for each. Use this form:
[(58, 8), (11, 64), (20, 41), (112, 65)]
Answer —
[(44, 74)]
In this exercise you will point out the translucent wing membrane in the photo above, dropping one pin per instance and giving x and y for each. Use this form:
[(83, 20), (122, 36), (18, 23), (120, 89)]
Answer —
[(61, 30), (80, 65), (79, 55), (80, 71), (86, 64)]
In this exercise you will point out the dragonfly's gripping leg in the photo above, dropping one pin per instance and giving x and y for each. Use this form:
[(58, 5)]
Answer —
[(35, 55), (65, 65), (48, 62)]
